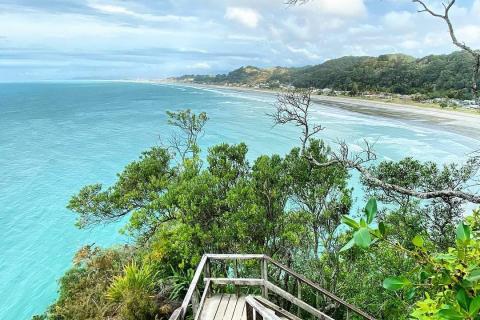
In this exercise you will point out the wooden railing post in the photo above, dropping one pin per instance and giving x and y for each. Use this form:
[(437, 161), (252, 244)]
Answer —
[(249, 311), (299, 296), (195, 301), (206, 274), (264, 273), (235, 274)]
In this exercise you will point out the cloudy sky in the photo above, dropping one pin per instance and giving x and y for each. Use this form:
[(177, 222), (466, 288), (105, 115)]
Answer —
[(130, 39)]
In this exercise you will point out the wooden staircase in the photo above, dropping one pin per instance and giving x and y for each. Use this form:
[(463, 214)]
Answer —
[(252, 297)]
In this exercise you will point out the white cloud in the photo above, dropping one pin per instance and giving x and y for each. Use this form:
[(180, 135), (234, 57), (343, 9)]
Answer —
[(307, 53), (398, 20), (200, 65), (245, 16), (470, 34), (113, 9), (410, 44), (476, 7), (342, 8), (364, 29)]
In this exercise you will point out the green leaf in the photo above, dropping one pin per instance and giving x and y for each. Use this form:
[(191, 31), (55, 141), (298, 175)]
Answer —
[(382, 228), (445, 256), (410, 293), (363, 223), (424, 276), (396, 283), (474, 306), (348, 246), (463, 232), (362, 238), (418, 241), (450, 314), (350, 222), (474, 275), (371, 210), (463, 299)]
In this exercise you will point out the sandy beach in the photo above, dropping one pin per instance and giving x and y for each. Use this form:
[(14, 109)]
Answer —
[(467, 124)]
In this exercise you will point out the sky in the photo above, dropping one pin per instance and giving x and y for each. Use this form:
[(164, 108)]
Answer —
[(153, 39)]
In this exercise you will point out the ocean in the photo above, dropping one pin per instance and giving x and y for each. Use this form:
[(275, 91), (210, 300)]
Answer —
[(56, 137)]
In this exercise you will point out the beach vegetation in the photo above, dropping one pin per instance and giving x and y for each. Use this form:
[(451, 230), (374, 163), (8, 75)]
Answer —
[(176, 204)]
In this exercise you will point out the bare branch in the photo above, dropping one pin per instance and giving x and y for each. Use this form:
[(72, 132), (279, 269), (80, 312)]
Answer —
[(293, 107), (357, 161), (191, 127), (474, 53)]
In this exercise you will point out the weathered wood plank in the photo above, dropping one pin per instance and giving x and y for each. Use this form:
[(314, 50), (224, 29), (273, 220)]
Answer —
[(282, 313), (176, 314), (237, 281), (193, 286), (264, 272), (289, 297), (201, 304), (321, 290), (210, 308), (232, 303), (244, 312), (259, 309), (222, 307), (237, 314), (235, 256)]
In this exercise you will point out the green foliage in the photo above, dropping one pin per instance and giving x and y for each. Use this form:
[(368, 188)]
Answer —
[(137, 190), (396, 283), (180, 282), (133, 279), (430, 77), (435, 219), (447, 284), (178, 207), (132, 292), (83, 288), (191, 126)]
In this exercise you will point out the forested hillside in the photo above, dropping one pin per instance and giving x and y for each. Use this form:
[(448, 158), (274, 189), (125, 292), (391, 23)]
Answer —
[(434, 75)]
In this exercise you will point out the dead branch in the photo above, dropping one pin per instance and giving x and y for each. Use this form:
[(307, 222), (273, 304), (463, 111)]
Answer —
[(293, 106), (474, 53), (357, 161)]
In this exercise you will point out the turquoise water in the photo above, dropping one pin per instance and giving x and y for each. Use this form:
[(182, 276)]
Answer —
[(57, 137)]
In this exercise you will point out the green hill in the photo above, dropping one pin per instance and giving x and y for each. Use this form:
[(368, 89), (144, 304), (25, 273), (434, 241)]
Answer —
[(434, 75)]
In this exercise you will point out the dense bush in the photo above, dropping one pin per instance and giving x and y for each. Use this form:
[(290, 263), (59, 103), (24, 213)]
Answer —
[(181, 206)]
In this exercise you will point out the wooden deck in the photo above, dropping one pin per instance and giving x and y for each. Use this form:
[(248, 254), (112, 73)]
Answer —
[(217, 305), (225, 307)]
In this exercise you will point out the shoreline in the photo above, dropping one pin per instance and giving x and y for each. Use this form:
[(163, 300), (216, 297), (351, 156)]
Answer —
[(464, 123)]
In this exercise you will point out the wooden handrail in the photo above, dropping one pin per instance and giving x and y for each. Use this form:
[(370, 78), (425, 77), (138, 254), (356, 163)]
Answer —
[(191, 290), (202, 301), (321, 290), (204, 266), (222, 256), (253, 306)]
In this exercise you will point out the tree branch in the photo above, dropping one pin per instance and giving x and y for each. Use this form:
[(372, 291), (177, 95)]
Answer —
[(357, 161), (293, 107), (474, 53)]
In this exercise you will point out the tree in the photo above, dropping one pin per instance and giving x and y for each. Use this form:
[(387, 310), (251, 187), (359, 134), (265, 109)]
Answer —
[(474, 53), (444, 284), (323, 195), (293, 106), (438, 217), (137, 190), (191, 127), (460, 187)]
